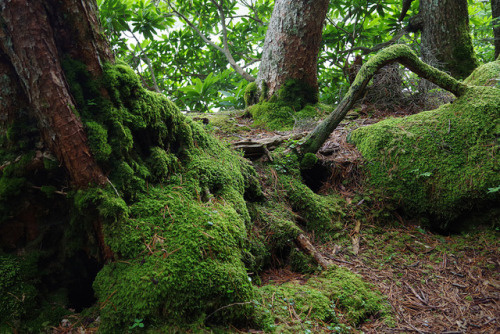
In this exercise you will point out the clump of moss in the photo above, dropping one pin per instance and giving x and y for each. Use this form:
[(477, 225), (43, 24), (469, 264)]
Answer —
[(439, 163), (183, 261), (250, 95), (17, 295), (334, 298), (319, 213), (308, 161), (293, 101), (356, 298)]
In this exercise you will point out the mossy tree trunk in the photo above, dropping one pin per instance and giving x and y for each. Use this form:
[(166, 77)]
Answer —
[(30, 59), (446, 40), (396, 53), (34, 37), (495, 11), (292, 45)]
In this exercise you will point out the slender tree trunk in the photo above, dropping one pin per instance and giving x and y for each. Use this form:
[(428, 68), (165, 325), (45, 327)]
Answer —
[(292, 44), (495, 11), (446, 40), (34, 36)]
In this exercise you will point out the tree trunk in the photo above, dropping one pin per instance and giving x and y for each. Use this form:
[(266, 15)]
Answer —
[(446, 40), (292, 45), (50, 30), (495, 11)]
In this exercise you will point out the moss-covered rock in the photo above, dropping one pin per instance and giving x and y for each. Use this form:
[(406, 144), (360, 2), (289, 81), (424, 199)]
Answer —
[(440, 163)]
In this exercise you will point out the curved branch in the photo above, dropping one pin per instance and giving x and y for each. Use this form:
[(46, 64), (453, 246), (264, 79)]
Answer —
[(395, 53)]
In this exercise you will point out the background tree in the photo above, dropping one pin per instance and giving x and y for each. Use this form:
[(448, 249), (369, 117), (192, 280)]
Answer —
[(446, 41), (495, 8), (292, 45)]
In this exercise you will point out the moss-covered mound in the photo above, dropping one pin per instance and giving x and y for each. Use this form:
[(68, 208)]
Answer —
[(176, 222), (333, 298), (440, 163), (173, 215)]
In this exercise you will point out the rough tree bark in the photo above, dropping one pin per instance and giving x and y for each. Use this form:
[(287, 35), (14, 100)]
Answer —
[(33, 83), (446, 40), (495, 11), (50, 30), (396, 53), (292, 44)]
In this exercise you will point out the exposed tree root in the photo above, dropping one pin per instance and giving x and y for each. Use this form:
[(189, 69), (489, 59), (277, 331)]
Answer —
[(395, 53)]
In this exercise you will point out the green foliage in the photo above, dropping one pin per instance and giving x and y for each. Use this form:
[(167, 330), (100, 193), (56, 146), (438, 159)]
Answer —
[(149, 32), (441, 162), (198, 94)]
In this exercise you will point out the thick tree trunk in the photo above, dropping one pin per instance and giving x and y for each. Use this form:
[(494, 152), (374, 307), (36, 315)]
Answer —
[(495, 11), (292, 44), (446, 40), (34, 36)]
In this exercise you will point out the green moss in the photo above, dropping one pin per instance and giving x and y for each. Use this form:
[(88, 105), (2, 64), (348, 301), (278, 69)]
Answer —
[(17, 295), (438, 163), (98, 141), (301, 262), (486, 75), (184, 261), (320, 213), (356, 298), (250, 95), (175, 215), (308, 161), (334, 294), (292, 102), (296, 94)]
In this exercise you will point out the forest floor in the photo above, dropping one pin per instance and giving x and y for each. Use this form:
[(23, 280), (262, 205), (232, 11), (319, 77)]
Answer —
[(435, 283)]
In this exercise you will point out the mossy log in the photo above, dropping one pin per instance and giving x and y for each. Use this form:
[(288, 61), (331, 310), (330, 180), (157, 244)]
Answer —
[(396, 53)]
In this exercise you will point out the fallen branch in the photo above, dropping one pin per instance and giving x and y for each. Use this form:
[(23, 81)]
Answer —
[(254, 149), (304, 243)]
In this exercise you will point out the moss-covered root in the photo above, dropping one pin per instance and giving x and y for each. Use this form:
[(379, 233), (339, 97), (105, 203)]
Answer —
[(440, 163), (396, 53)]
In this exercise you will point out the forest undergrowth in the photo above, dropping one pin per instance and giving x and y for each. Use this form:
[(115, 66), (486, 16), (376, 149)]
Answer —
[(434, 282)]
